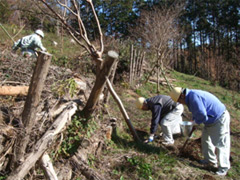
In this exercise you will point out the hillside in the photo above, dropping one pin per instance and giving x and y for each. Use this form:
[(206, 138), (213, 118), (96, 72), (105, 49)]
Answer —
[(119, 156)]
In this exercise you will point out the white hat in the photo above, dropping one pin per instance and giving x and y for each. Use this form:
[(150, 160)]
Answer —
[(175, 93), (139, 102), (40, 33)]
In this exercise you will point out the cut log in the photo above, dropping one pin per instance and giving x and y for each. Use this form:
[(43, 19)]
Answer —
[(30, 106), (44, 143), (13, 90)]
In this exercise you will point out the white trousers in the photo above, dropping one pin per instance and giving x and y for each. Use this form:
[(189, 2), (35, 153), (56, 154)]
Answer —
[(170, 124), (217, 137)]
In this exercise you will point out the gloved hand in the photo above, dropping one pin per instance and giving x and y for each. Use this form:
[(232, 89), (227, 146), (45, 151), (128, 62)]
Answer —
[(194, 123), (150, 139), (44, 49)]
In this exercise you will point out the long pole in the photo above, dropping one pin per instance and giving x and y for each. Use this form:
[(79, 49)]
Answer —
[(6, 32)]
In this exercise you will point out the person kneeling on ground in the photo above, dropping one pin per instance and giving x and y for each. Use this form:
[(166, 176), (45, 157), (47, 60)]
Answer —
[(29, 43), (209, 110), (165, 112)]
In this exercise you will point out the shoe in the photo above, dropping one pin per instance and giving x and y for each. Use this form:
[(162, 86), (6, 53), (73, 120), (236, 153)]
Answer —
[(208, 164), (221, 172)]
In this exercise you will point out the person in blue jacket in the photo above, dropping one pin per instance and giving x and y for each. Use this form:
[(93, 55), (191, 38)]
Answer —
[(166, 113), (206, 108)]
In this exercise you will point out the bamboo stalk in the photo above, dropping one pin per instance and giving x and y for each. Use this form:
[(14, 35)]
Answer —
[(6, 32)]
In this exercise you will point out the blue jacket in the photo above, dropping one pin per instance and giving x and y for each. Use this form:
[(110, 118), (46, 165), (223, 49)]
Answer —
[(205, 107)]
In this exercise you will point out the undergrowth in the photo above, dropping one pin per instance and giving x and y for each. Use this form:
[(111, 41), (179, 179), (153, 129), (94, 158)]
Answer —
[(79, 130)]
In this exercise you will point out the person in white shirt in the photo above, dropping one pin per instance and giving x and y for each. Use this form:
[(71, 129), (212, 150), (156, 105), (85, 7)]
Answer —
[(28, 44)]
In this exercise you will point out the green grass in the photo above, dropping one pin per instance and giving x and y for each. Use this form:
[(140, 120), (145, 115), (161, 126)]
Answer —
[(156, 158), (64, 48), (230, 98)]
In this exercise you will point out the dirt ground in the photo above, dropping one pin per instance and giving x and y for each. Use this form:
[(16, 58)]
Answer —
[(19, 71)]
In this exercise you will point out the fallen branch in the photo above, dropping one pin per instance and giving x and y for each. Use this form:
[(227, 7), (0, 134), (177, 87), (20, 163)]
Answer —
[(47, 167), (44, 143), (13, 90), (89, 173)]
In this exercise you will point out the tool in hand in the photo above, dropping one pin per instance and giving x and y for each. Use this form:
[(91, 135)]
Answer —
[(189, 137)]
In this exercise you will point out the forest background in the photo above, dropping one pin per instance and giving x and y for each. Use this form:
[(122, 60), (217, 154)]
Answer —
[(207, 44)]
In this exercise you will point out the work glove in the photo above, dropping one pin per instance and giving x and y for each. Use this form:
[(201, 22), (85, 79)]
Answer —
[(44, 49), (14, 49), (150, 139), (194, 123)]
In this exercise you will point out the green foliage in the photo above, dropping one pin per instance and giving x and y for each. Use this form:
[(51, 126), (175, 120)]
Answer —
[(91, 160), (196, 23), (5, 11), (234, 172), (147, 90), (115, 16), (61, 61), (63, 87), (143, 168), (237, 105), (2, 177), (79, 129)]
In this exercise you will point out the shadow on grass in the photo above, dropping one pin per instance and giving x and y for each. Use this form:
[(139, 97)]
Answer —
[(139, 146)]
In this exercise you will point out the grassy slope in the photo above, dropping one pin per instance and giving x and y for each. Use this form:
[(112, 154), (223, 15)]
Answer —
[(148, 161), (65, 48), (158, 163)]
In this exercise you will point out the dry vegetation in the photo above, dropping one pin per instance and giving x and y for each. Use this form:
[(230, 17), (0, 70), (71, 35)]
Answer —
[(103, 147)]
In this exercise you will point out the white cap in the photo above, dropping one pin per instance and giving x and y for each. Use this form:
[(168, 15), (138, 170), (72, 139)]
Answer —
[(175, 93), (40, 33), (139, 102)]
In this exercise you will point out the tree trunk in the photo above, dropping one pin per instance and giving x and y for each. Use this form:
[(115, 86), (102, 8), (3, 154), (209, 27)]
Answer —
[(99, 83), (131, 65), (31, 104)]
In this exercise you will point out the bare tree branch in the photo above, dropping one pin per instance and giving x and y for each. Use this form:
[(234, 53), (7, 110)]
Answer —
[(71, 31), (80, 35)]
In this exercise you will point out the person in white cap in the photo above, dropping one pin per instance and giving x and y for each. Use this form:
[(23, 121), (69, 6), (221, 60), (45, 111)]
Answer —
[(30, 43), (206, 108), (165, 112)]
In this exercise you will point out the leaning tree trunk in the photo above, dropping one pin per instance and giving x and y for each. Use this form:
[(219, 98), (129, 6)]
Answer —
[(99, 83), (30, 107)]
